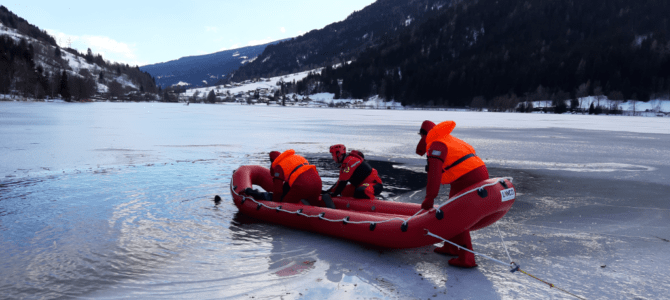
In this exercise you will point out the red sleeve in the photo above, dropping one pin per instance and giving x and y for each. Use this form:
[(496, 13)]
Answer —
[(435, 156), (277, 183)]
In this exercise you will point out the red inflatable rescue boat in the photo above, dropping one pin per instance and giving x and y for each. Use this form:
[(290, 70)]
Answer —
[(378, 222)]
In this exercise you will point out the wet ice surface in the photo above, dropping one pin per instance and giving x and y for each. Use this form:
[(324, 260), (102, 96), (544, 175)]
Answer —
[(109, 200)]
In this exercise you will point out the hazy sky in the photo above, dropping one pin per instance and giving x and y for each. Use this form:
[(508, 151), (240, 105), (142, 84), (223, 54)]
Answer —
[(145, 32)]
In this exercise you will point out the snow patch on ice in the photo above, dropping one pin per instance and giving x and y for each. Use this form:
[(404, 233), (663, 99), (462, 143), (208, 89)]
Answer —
[(574, 167)]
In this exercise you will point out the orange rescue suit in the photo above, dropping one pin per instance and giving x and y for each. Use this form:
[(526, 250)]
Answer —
[(452, 161), (286, 169), (461, 157), (449, 159)]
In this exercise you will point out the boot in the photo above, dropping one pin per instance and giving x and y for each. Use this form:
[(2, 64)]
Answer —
[(465, 259), (447, 249)]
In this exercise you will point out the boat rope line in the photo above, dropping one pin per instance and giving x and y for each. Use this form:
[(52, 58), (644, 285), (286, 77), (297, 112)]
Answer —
[(512, 265), (502, 241), (473, 190), (322, 215), (473, 252), (372, 223)]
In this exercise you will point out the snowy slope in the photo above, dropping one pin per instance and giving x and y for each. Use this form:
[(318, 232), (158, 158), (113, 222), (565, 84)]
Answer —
[(74, 62)]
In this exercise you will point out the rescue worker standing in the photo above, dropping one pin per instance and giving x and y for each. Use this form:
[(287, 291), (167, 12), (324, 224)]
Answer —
[(450, 161), (294, 179), (364, 180)]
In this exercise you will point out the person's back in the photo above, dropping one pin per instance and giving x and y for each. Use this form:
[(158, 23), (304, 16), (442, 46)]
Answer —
[(294, 179)]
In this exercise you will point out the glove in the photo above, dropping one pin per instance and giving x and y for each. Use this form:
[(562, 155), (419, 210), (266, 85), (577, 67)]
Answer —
[(250, 192)]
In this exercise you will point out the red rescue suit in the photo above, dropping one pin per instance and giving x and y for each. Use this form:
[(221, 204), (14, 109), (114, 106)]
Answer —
[(451, 161), (364, 180), (295, 179)]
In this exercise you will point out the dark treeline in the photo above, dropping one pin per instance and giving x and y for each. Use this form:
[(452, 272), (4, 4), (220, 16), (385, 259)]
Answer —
[(39, 70), (340, 41), (478, 52)]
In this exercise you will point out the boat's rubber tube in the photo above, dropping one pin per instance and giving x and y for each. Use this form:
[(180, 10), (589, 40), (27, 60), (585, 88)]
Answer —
[(377, 222)]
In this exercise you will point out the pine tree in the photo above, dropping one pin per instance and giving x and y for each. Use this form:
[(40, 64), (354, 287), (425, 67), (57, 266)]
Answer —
[(211, 98), (89, 56), (64, 90)]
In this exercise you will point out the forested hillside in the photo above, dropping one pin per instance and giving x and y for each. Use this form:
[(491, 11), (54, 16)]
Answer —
[(33, 66), (506, 51), (340, 41)]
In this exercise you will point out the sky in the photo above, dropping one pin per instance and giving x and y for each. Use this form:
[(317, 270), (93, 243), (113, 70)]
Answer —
[(147, 32)]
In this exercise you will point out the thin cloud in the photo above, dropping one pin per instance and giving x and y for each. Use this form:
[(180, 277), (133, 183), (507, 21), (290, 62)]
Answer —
[(109, 48), (106, 44), (211, 28), (283, 30)]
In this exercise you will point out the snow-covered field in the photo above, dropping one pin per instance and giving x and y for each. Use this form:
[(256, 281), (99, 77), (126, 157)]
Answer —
[(270, 84)]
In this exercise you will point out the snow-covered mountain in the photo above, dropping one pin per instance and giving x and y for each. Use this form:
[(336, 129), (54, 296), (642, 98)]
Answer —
[(203, 70), (34, 66)]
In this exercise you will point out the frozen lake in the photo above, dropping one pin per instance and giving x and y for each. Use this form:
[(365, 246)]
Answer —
[(114, 200)]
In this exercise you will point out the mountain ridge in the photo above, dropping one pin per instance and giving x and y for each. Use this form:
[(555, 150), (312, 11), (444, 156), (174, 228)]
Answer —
[(210, 67), (340, 41)]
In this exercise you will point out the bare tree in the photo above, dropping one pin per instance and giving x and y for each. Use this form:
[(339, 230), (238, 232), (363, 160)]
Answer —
[(115, 89), (195, 96), (617, 98), (478, 103), (541, 94), (598, 92), (581, 92)]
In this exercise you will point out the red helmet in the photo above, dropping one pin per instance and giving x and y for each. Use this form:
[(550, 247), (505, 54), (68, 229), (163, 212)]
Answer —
[(426, 126), (338, 151)]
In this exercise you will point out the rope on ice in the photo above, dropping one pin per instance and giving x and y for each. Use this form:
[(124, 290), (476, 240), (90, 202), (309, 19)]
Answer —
[(513, 266)]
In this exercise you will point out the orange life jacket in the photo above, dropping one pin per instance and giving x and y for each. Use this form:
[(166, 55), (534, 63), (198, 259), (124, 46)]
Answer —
[(293, 165), (461, 157)]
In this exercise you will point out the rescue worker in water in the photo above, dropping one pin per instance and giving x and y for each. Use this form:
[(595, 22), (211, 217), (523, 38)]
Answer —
[(450, 161), (363, 178), (294, 179)]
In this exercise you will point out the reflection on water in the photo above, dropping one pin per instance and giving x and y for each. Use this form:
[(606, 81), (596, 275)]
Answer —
[(153, 231)]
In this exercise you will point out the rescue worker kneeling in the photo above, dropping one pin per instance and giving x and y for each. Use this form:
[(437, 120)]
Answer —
[(364, 180), (294, 179)]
